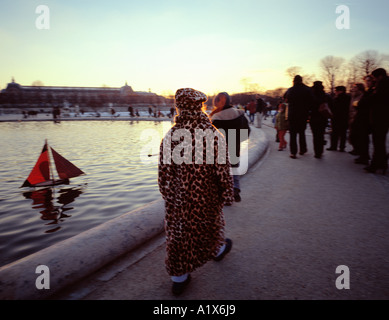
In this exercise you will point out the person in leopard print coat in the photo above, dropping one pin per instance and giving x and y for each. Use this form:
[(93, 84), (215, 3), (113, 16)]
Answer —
[(195, 186)]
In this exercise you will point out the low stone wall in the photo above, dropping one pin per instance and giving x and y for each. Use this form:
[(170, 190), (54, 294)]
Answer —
[(79, 256)]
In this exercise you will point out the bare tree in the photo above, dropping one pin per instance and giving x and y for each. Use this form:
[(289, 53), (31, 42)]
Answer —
[(352, 73), (296, 70), (368, 61), (364, 64), (277, 93), (308, 79), (249, 86), (331, 67), (293, 71)]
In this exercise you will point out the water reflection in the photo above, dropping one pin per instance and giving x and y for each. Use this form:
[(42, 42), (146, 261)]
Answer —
[(52, 203), (109, 151)]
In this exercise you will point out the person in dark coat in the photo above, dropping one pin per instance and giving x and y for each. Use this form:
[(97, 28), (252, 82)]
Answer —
[(131, 111), (357, 92), (299, 99), (339, 121), (261, 109), (226, 118), (318, 121), (362, 125), (380, 121)]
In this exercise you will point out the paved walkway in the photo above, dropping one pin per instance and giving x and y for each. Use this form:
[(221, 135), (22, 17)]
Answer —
[(298, 221)]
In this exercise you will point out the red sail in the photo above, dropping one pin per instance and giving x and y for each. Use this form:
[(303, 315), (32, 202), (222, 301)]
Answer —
[(65, 168), (41, 171)]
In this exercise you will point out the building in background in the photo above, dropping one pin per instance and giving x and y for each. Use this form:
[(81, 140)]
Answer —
[(95, 98)]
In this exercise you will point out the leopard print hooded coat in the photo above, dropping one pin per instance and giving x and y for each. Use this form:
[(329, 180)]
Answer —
[(194, 192)]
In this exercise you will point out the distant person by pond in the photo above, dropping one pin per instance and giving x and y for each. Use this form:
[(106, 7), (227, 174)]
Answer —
[(172, 113), (252, 108), (131, 111), (261, 109), (56, 113)]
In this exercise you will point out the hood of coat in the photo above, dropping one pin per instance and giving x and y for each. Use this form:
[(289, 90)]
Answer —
[(190, 99), (190, 107)]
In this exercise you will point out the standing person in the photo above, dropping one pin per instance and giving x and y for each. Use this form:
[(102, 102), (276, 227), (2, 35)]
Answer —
[(275, 117), (380, 121), (260, 109), (56, 113), (339, 121), (357, 92), (131, 111), (266, 110), (172, 111), (361, 125), (299, 99), (252, 109), (281, 125), (155, 111), (227, 118), (194, 192), (318, 121)]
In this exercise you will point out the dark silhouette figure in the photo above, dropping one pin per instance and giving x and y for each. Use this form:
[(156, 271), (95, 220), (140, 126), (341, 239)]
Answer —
[(362, 127), (339, 121), (380, 121), (357, 92), (261, 109), (131, 111), (56, 113), (172, 112), (299, 99), (318, 121)]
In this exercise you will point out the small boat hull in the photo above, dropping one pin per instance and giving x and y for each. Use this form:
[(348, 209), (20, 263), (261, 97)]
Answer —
[(51, 183)]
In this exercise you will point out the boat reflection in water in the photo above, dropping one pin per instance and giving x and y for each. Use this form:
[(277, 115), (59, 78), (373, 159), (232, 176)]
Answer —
[(53, 204)]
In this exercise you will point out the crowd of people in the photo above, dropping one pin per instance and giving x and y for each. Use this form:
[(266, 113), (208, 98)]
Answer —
[(353, 117), (195, 193)]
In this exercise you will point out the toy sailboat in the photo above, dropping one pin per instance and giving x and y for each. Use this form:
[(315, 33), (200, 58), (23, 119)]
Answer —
[(42, 174)]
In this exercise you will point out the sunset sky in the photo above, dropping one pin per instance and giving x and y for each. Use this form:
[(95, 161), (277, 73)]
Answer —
[(163, 45)]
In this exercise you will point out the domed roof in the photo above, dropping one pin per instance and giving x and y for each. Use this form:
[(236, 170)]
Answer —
[(126, 89), (13, 85)]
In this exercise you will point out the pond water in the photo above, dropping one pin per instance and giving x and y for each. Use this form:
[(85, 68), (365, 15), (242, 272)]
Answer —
[(119, 177)]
